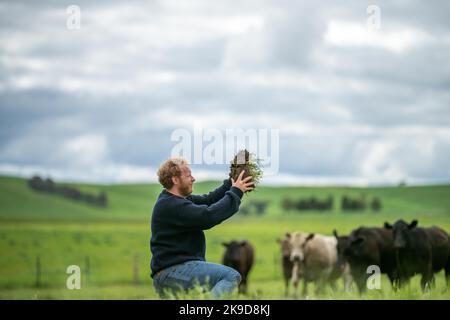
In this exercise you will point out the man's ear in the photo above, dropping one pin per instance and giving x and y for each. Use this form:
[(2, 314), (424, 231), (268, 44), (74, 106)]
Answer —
[(175, 180), (387, 226), (413, 224)]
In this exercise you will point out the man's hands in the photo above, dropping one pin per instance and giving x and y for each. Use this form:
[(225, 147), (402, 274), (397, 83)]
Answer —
[(242, 184)]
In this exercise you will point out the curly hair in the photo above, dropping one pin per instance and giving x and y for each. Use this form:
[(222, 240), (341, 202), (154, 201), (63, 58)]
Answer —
[(168, 169)]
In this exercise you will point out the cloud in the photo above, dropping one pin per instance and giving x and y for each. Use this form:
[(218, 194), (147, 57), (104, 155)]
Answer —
[(352, 105), (356, 35), (85, 150), (100, 173)]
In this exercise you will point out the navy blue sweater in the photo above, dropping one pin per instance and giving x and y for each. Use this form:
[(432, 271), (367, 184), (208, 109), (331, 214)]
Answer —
[(178, 223)]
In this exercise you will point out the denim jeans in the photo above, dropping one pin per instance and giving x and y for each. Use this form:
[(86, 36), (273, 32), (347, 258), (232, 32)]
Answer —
[(217, 278)]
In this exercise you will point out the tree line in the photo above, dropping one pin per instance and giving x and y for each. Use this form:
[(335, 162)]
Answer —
[(36, 183), (347, 204)]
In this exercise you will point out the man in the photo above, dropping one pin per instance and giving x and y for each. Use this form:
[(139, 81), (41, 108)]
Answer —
[(178, 220)]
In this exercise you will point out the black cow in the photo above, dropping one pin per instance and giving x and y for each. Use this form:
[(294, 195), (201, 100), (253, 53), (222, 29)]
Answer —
[(422, 251), (343, 242), (239, 255), (286, 262), (367, 247)]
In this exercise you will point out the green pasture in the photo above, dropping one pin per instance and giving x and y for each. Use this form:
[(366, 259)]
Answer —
[(42, 234)]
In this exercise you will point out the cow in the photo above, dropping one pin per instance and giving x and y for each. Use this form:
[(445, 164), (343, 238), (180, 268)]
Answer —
[(366, 247), (286, 262), (314, 258), (239, 255), (419, 250), (342, 265), (343, 242)]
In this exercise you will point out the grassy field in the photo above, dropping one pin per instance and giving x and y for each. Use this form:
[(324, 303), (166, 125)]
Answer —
[(111, 245)]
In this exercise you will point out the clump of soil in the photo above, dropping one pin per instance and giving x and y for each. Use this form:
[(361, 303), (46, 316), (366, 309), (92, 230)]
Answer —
[(247, 161)]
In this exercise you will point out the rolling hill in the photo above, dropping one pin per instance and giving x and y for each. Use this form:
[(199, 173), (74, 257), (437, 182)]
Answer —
[(18, 202)]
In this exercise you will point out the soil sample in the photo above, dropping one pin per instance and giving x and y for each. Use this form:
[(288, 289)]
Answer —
[(244, 160)]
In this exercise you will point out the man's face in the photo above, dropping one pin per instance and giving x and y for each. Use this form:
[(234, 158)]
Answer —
[(186, 181)]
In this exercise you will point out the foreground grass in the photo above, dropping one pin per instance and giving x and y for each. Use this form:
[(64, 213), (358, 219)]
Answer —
[(114, 257), (261, 290)]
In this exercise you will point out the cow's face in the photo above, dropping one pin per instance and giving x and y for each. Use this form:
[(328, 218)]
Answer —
[(355, 247), (401, 232), (343, 242), (285, 245), (233, 251), (298, 243)]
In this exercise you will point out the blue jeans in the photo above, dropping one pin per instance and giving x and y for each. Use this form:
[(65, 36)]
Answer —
[(217, 278)]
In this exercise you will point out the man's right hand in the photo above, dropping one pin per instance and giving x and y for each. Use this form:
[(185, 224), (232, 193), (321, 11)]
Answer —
[(242, 184)]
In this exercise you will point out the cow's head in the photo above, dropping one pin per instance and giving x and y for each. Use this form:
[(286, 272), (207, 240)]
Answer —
[(401, 232), (298, 243), (233, 250), (355, 247), (343, 242), (285, 245)]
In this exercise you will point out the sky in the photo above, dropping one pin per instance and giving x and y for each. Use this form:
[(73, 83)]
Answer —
[(359, 97)]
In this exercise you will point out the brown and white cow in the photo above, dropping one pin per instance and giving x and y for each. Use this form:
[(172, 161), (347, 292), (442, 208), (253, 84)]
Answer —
[(314, 258)]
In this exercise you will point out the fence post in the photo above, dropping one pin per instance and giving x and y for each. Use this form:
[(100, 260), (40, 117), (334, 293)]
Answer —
[(136, 268), (275, 269), (87, 267), (38, 271)]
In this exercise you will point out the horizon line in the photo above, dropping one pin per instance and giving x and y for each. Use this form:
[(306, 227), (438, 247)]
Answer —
[(266, 185)]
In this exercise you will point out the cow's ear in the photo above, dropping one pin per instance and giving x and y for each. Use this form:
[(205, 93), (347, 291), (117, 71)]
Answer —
[(335, 233), (225, 244), (413, 224), (310, 236), (243, 243), (387, 226), (358, 241), (288, 235)]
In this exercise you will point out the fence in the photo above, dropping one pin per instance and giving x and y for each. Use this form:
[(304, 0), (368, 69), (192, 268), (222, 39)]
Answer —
[(49, 271)]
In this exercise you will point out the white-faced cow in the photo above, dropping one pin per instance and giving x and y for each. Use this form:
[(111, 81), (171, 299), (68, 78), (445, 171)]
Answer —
[(314, 258), (422, 251), (239, 255)]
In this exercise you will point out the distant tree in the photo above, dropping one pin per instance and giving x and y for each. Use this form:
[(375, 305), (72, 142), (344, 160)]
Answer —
[(260, 207), (349, 204), (330, 202), (48, 185), (244, 211), (102, 199), (36, 183), (376, 204), (288, 204)]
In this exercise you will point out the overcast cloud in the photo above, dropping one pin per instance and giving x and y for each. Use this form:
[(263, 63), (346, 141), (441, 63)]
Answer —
[(353, 105)]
